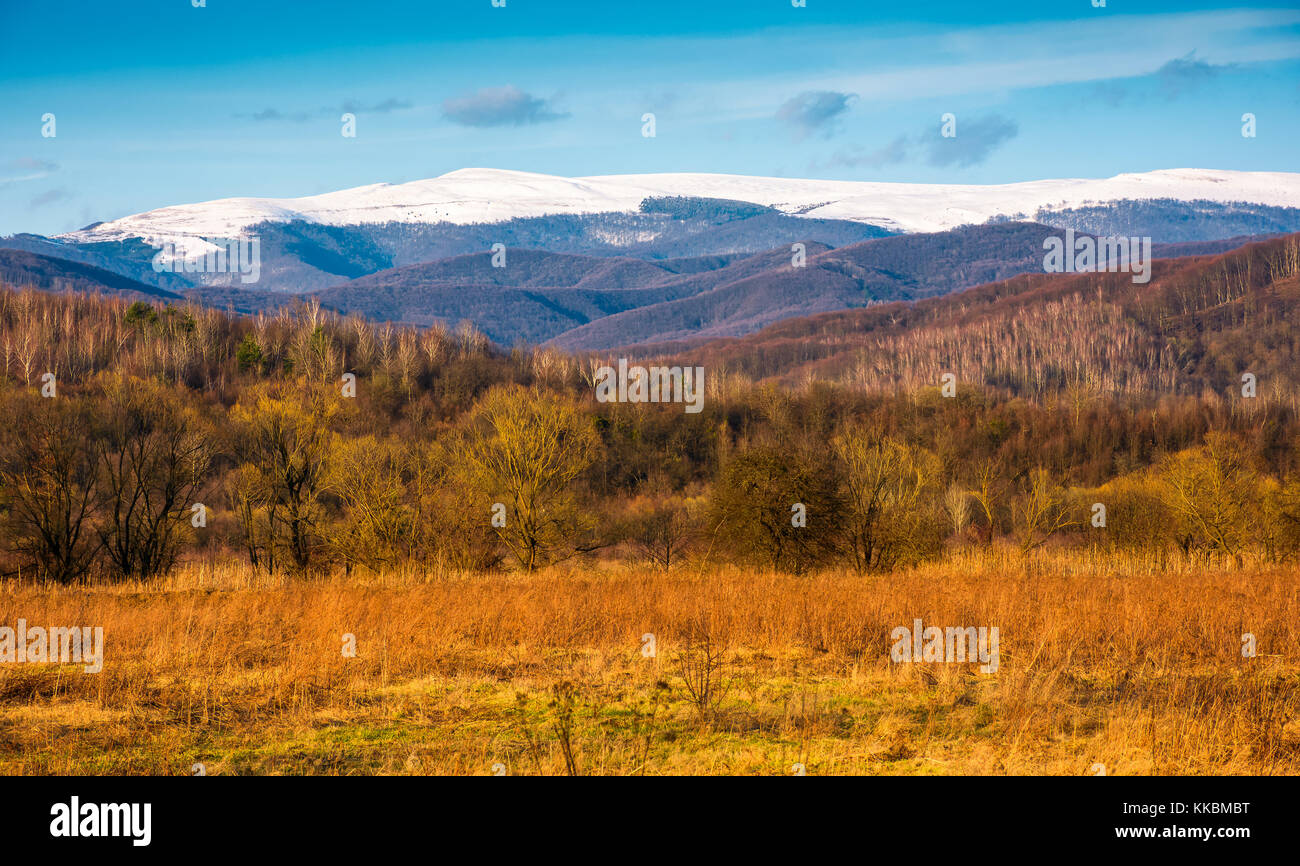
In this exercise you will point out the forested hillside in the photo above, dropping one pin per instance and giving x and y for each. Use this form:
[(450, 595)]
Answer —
[(61, 275), (1196, 328)]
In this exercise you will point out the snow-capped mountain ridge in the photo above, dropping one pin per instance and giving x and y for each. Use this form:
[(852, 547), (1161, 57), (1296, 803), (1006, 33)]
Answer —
[(479, 195)]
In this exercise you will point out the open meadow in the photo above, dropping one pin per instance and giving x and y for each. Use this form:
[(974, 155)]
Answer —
[(1106, 665)]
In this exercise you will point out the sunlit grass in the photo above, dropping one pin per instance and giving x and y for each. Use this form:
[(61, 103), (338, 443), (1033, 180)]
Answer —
[(1102, 662)]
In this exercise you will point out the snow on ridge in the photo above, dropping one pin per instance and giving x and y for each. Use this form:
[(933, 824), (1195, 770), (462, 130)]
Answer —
[(482, 195)]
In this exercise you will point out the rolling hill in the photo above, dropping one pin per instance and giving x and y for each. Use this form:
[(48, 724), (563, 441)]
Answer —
[(22, 269), (1200, 324)]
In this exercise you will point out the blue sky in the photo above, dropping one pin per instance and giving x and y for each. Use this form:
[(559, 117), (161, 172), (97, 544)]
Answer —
[(157, 102)]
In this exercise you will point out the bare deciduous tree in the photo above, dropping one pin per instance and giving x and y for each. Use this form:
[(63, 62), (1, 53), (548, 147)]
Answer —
[(529, 448)]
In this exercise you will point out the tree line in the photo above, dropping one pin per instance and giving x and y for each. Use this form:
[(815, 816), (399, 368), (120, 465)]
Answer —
[(307, 442)]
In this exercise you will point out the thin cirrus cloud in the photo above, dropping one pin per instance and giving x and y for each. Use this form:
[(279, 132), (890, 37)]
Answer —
[(1183, 74), (814, 111), (1026, 55), (25, 168), (275, 114), (350, 106), (893, 153), (1175, 78), (50, 197), (500, 106), (386, 107), (975, 141)]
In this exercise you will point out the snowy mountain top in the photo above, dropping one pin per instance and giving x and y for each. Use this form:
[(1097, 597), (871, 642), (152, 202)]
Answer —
[(480, 195)]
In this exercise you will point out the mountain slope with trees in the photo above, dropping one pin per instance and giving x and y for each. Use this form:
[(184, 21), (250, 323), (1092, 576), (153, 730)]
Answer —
[(1199, 325)]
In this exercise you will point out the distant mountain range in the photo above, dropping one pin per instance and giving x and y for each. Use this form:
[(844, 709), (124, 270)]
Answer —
[(598, 262), (482, 196)]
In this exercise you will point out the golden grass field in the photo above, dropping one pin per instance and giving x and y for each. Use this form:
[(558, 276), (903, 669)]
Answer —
[(1126, 665)]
